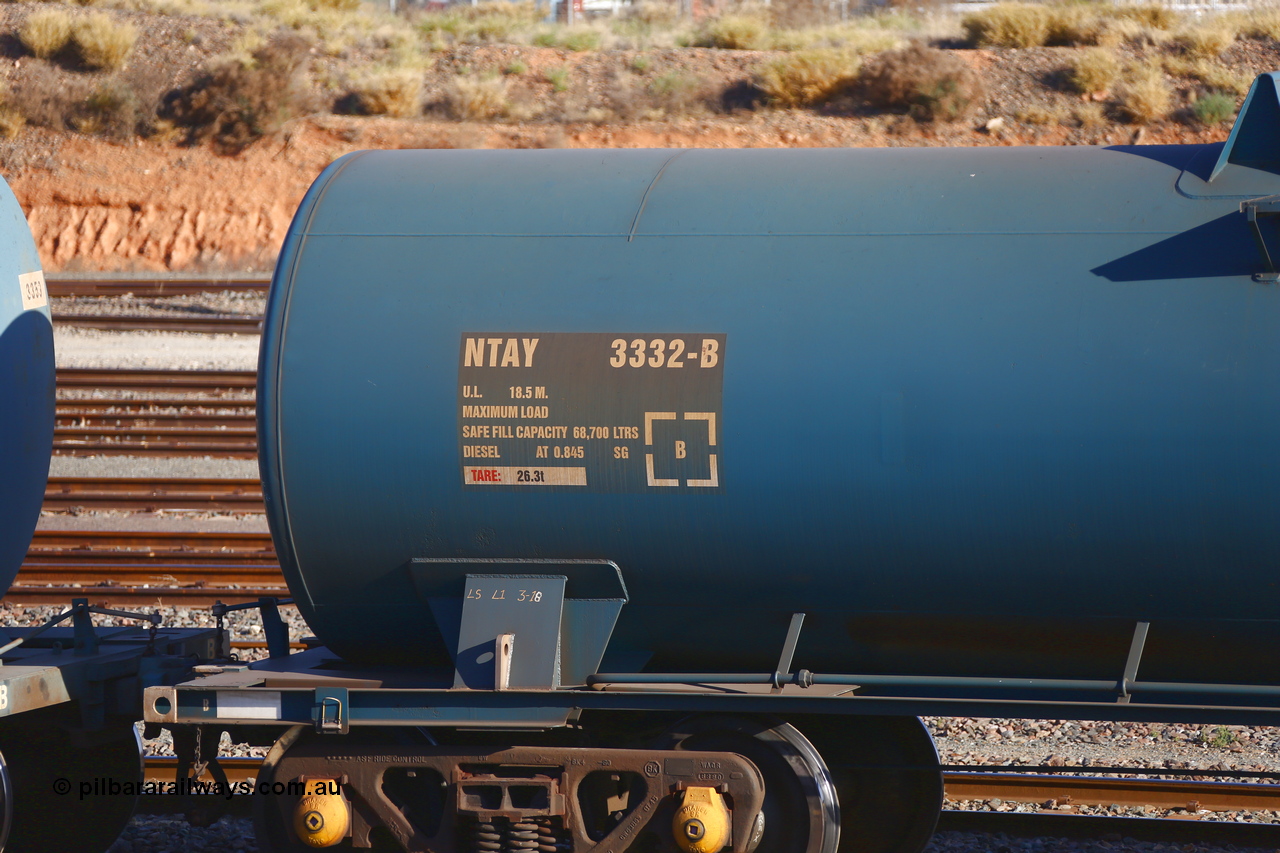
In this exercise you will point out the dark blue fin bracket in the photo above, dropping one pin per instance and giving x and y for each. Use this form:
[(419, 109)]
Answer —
[(1255, 138)]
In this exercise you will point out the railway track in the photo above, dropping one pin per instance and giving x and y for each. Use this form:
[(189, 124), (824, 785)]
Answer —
[(125, 493), (210, 383), (141, 568), (224, 324), (156, 413), (151, 287)]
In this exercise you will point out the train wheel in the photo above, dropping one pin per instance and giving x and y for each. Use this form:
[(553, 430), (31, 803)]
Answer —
[(887, 775), (801, 811), (50, 807)]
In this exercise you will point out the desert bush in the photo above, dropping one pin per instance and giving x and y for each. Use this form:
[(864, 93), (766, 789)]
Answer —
[(477, 98), (102, 42), (112, 109), (1145, 96), (45, 32), (670, 93), (1008, 25), (1075, 24), (484, 23), (1094, 70), (234, 104), (1214, 108), (388, 93), (926, 83), (40, 96), (335, 5), (807, 77), (576, 39), (735, 32)]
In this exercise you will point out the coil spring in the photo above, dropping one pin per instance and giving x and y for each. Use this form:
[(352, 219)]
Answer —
[(531, 835), (487, 838), (551, 839)]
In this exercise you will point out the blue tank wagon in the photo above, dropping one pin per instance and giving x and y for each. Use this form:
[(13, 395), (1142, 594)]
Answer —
[(567, 441), (69, 693)]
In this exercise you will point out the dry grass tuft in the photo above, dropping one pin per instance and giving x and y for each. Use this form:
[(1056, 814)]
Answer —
[(485, 23), (1008, 25), (477, 98), (736, 32), (1205, 41), (1091, 115), (807, 77), (46, 32), (1040, 114), (1145, 96), (1094, 70), (11, 122), (102, 42), (389, 93), (926, 83)]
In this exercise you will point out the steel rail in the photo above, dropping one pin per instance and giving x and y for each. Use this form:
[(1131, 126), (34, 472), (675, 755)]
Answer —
[(239, 495), (152, 286), (226, 324), (161, 381), (157, 542), (139, 596)]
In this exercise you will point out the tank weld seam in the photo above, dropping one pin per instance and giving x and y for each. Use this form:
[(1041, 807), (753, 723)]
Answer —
[(644, 199)]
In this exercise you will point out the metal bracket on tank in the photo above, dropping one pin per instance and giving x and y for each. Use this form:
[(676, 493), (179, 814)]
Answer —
[(1252, 210), (1135, 657), (532, 624)]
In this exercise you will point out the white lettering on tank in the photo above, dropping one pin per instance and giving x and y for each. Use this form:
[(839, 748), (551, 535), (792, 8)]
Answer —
[(475, 353), (530, 344), (510, 354), (494, 343)]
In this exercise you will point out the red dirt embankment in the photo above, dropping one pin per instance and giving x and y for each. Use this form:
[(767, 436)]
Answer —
[(98, 205)]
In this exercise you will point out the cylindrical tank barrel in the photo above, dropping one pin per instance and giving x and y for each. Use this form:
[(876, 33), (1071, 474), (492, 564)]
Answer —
[(26, 386), (974, 411)]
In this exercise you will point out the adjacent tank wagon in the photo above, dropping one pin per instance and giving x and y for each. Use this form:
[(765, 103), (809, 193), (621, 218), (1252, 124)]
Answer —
[(569, 451)]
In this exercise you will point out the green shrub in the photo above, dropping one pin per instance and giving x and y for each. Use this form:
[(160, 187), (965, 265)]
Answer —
[(807, 77), (1008, 25), (558, 78), (103, 43), (1214, 108), (926, 83), (576, 39), (45, 32)]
